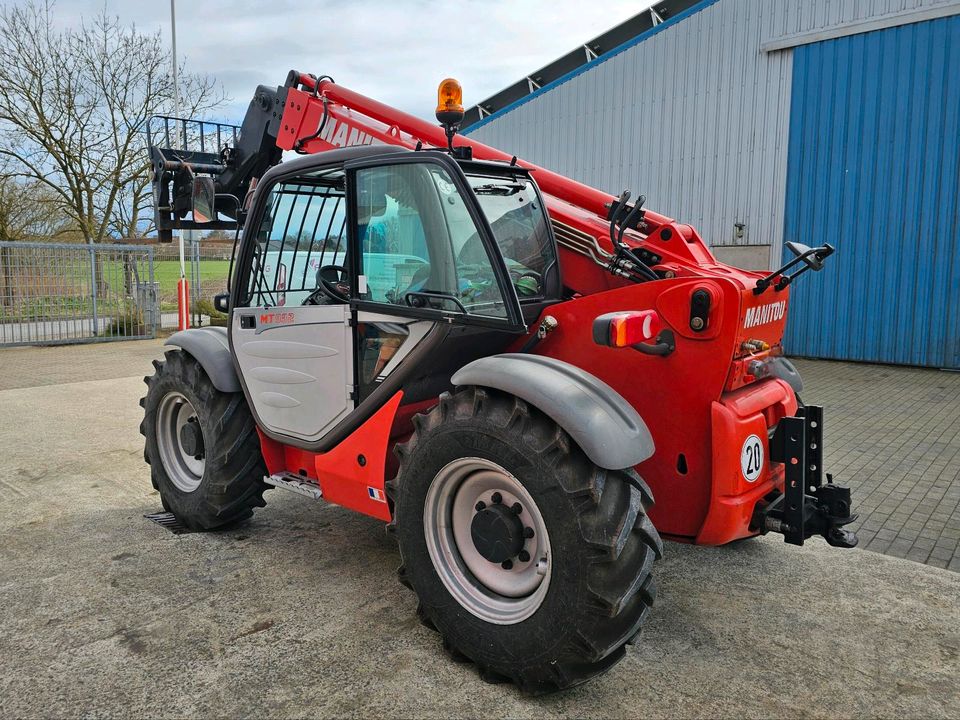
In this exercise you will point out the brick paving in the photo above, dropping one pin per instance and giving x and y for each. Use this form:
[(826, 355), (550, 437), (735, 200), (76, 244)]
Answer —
[(893, 435)]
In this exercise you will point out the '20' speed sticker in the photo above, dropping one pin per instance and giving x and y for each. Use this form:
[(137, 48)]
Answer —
[(751, 458)]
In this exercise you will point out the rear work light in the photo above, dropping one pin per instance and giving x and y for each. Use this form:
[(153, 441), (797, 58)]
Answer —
[(625, 329)]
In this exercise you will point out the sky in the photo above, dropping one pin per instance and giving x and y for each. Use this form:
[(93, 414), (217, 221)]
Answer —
[(396, 52)]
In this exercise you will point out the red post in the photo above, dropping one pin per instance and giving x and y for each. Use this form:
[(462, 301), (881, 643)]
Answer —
[(183, 304)]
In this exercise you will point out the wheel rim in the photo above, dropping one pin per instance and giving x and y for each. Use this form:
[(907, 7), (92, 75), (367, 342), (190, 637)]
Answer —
[(184, 465), (501, 592)]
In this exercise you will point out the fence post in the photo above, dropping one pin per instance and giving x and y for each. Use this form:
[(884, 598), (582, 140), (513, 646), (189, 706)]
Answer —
[(155, 294), (195, 273), (93, 288)]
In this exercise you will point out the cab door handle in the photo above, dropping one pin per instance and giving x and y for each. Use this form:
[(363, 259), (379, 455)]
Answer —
[(248, 322)]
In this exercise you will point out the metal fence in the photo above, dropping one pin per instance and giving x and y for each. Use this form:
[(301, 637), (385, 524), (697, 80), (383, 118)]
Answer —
[(52, 293), (206, 266)]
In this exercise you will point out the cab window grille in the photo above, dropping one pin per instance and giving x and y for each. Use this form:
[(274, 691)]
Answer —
[(302, 230)]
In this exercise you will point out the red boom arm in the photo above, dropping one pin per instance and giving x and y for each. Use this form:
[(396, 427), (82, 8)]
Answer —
[(332, 116)]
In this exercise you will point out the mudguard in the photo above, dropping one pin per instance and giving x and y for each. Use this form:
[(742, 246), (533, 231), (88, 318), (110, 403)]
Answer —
[(603, 424), (211, 349)]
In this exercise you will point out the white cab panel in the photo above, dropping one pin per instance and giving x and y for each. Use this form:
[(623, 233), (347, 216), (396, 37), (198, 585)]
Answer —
[(297, 363)]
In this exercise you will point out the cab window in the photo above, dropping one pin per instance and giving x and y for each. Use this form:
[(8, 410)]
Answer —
[(518, 219), (302, 231), (414, 234)]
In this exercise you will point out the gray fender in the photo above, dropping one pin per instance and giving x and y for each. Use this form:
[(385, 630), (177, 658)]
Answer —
[(603, 424), (210, 347)]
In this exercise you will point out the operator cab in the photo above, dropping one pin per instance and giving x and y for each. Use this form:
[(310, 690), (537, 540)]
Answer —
[(367, 270)]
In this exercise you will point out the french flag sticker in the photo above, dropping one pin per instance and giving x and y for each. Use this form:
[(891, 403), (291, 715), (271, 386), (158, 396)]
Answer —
[(376, 494)]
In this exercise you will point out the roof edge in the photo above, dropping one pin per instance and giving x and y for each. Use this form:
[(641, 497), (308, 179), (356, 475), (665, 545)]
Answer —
[(676, 19)]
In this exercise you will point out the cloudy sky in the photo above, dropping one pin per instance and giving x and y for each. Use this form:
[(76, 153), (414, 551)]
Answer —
[(396, 52)]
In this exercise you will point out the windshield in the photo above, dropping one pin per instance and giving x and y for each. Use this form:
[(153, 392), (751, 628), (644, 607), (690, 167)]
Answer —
[(519, 223)]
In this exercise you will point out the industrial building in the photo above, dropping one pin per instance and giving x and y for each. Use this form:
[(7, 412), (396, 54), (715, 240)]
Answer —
[(760, 122)]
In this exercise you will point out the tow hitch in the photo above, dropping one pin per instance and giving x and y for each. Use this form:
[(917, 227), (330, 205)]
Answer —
[(807, 506)]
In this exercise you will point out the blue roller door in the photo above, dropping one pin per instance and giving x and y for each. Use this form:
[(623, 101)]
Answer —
[(874, 169)]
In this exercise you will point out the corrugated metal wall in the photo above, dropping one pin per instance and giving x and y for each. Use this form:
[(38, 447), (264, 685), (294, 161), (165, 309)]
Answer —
[(874, 168), (795, 16), (694, 115)]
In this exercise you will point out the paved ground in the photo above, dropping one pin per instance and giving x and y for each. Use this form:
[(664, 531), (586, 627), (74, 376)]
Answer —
[(893, 434), (24, 367), (296, 612)]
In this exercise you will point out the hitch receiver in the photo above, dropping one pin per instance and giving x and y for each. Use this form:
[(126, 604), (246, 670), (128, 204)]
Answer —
[(807, 506)]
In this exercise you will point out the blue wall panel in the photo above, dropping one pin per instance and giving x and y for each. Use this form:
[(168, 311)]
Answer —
[(874, 169)]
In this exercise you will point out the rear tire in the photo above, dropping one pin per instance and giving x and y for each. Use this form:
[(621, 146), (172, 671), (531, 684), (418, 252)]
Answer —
[(213, 474), (601, 544)]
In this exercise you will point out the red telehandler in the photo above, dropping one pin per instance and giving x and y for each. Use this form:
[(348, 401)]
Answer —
[(502, 364)]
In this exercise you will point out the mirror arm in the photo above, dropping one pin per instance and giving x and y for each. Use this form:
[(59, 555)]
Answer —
[(820, 253), (237, 204), (785, 280), (764, 283), (229, 196)]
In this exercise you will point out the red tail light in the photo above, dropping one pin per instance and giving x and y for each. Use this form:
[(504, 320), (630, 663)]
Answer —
[(623, 329)]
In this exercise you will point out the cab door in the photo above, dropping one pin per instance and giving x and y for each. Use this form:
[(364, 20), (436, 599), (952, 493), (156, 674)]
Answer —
[(347, 272), (424, 248), (291, 339)]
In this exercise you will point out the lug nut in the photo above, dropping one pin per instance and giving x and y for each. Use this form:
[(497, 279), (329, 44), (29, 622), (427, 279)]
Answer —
[(497, 498), (517, 508), (507, 564), (523, 556), (480, 506), (528, 533)]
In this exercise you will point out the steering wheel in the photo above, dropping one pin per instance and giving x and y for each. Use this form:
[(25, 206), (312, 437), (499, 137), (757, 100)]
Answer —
[(332, 281)]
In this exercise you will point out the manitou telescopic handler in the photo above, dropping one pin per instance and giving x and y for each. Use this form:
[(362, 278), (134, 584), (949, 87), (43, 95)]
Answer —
[(502, 364)]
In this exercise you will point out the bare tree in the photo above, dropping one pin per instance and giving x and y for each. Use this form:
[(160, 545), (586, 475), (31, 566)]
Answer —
[(28, 211), (74, 105)]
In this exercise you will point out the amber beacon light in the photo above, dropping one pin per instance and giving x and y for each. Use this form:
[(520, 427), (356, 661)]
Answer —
[(449, 103)]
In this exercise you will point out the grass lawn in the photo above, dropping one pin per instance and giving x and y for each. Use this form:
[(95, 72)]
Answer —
[(49, 297), (213, 274), (167, 273)]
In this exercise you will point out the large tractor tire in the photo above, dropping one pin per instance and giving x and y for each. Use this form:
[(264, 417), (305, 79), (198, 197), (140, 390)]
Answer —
[(201, 445), (528, 559)]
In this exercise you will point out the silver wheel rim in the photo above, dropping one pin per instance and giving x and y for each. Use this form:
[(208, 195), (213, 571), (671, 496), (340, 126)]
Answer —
[(184, 470), (486, 589)]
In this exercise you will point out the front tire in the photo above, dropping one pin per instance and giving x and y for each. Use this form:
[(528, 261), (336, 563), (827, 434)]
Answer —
[(583, 531), (201, 445)]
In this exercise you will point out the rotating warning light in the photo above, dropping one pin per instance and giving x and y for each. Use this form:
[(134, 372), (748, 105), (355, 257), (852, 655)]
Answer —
[(624, 329), (450, 102)]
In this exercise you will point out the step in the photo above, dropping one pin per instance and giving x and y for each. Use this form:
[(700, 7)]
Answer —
[(295, 483)]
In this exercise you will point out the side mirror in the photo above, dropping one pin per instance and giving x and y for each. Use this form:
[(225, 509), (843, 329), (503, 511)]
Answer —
[(813, 260), (221, 303), (204, 199)]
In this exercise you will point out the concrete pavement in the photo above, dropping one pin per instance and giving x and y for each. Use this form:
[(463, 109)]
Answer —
[(297, 613)]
